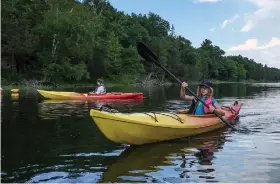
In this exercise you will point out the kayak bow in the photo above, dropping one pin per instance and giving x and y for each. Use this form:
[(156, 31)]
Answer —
[(143, 128)]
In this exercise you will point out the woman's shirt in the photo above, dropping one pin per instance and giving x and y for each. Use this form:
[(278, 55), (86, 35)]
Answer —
[(100, 90)]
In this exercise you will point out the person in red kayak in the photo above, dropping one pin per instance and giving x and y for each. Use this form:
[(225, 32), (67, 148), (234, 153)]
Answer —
[(100, 88), (205, 93)]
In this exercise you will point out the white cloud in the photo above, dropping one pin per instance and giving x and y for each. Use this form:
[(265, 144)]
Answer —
[(274, 42), (252, 44), (208, 1), (249, 44), (268, 11), (232, 19), (266, 54), (260, 3), (212, 29), (269, 56), (265, 21)]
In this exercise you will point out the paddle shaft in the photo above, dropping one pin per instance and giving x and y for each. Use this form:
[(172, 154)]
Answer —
[(152, 56)]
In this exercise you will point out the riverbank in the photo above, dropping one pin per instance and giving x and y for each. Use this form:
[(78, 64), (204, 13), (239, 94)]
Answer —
[(41, 85), (53, 86)]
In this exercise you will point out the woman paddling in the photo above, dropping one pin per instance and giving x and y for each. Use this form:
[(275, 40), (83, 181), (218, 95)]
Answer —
[(100, 88), (205, 93)]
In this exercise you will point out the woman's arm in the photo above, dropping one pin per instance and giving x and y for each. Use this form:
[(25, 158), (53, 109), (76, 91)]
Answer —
[(183, 92), (217, 108)]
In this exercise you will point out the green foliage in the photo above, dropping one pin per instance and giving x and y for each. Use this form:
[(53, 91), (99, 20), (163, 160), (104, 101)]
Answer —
[(241, 72), (232, 69), (65, 71), (69, 41), (112, 61)]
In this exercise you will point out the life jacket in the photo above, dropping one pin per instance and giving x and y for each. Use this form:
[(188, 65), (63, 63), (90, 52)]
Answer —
[(194, 104)]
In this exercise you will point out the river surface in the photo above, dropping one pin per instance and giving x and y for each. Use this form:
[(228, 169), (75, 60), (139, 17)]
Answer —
[(57, 141)]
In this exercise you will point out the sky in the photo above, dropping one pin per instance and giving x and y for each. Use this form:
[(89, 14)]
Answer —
[(247, 27)]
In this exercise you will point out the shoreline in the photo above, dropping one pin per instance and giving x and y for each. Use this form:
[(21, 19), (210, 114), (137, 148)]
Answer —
[(111, 84)]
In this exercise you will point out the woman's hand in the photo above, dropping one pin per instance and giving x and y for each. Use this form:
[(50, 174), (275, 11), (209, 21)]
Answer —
[(184, 84), (218, 110), (211, 108)]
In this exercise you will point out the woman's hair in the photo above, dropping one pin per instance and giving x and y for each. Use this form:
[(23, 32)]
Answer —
[(210, 91), (100, 80)]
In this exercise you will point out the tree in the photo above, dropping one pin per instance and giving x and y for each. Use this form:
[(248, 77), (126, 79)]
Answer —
[(71, 41)]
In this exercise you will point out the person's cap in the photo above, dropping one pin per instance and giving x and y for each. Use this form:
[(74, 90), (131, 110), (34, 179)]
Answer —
[(206, 83)]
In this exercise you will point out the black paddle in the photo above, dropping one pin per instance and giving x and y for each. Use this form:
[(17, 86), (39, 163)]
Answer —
[(148, 55)]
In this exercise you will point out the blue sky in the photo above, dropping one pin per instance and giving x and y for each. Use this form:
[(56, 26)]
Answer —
[(247, 27)]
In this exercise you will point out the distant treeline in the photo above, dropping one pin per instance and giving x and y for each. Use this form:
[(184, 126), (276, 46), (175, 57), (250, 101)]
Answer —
[(69, 41)]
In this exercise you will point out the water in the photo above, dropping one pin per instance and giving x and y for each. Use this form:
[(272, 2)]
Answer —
[(57, 141)]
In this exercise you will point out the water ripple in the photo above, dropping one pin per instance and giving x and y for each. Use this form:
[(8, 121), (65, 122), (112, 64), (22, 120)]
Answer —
[(47, 141)]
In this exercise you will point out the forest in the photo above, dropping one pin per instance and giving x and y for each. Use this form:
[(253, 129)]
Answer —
[(67, 41)]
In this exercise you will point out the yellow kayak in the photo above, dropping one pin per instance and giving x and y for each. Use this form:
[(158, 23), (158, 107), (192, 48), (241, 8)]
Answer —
[(143, 128), (85, 96)]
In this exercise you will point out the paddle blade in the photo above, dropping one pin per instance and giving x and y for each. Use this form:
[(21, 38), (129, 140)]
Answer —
[(146, 53)]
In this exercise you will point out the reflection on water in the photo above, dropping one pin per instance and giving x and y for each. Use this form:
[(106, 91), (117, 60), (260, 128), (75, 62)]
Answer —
[(174, 161), (53, 109), (57, 141)]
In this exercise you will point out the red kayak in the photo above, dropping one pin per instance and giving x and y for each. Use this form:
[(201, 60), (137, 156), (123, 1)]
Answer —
[(75, 95)]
